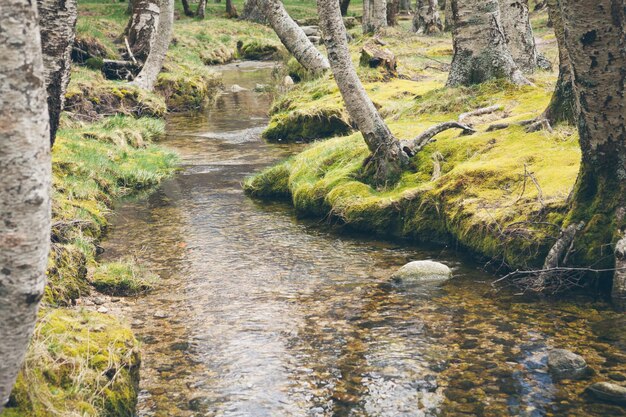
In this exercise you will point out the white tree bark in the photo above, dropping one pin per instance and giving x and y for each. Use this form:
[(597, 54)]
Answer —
[(480, 49), (519, 33), (201, 11), (374, 15), (387, 158), (595, 36), (147, 78), (141, 28), (252, 12), (426, 19), (25, 178), (57, 23), (293, 37), (618, 293)]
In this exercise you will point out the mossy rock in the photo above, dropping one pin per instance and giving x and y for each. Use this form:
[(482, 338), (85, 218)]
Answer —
[(183, 91), (122, 278), (256, 50), (297, 126), (79, 363)]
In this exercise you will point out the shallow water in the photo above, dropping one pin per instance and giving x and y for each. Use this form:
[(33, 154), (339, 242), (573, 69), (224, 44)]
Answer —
[(261, 314)]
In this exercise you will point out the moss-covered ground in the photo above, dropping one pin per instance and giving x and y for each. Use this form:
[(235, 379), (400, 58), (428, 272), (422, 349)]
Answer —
[(501, 194)]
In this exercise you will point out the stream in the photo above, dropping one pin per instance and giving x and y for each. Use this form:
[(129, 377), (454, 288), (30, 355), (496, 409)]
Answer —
[(259, 313)]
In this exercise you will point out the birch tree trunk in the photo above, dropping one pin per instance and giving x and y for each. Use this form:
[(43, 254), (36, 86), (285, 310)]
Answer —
[(447, 11), (519, 33), (25, 181), (562, 107), (618, 291), (393, 7), (252, 12), (201, 11), (374, 15), (426, 19), (293, 37), (150, 71), (57, 24), (387, 158), (141, 27), (595, 38), (480, 49)]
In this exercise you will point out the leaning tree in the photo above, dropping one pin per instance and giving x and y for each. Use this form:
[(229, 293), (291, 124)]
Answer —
[(25, 181), (480, 46), (293, 37), (388, 156), (147, 78), (595, 38), (57, 24)]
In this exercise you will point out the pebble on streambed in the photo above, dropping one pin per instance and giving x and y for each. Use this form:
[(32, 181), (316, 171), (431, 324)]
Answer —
[(423, 271)]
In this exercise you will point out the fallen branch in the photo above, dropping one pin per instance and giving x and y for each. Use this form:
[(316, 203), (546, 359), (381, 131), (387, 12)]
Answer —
[(130, 52), (411, 147), (480, 112)]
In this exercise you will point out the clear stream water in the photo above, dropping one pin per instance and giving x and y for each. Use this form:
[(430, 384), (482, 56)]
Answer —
[(261, 314)]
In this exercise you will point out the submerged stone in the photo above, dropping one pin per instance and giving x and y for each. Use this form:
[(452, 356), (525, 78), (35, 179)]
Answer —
[(423, 271), (564, 364), (608, 391)]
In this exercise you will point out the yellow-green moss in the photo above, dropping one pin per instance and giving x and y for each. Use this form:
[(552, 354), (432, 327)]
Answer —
[(122, 278), (80, 364)]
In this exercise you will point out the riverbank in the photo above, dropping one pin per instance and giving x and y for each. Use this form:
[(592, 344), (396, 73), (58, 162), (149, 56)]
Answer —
[(84, 359), (501, 194)]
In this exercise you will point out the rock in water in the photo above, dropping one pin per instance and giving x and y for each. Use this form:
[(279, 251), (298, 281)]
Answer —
[(608, 392), (423, 271), (564, 364)]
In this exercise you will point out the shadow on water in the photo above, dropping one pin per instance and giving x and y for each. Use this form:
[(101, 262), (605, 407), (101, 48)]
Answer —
[(262, 314)]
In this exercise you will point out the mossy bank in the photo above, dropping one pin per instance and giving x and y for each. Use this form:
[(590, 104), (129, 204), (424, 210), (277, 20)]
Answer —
[(502, 194)]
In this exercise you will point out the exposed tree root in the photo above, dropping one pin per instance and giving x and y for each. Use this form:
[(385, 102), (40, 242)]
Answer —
[(411, 147), (480, 112), (532, 125)]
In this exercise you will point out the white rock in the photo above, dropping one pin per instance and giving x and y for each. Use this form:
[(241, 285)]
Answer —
[(288, 81), (235, 88), (423, 271), (103, 309)]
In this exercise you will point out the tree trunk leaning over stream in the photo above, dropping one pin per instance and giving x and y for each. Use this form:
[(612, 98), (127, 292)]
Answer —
[(57, 24), (480, 49), (148, 76), (562, 107), (387, 159), (374, 15), (25, 182), (515, 20), (426, 19), (141, 27), (595, 37), (293, 37)]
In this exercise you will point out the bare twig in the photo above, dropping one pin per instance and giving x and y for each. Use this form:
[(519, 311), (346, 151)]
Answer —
[(130, 53)]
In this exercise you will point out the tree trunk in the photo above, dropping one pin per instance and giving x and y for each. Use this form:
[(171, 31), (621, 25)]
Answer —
[(519, 34), (129, 7), (25, 181), (141, 27), (231, 11), (447, 12), (595, 39), (374, 15), (405, 5), (293, 37), (562, 107), (57, 23), (186, 8), (344, 4), (150, 71), (426, 19), (618, 292), (393, 6), (252, 12), (387, 158), (200, 12), (480, 50)]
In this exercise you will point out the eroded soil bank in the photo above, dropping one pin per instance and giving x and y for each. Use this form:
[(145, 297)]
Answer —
[(259, 313)]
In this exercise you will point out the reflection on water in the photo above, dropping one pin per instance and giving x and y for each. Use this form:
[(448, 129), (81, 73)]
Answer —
[(260, 314)]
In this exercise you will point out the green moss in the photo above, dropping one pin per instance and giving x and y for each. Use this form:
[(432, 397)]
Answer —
[(187, 88), (257, 50), (80, 363), (123, 278)]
